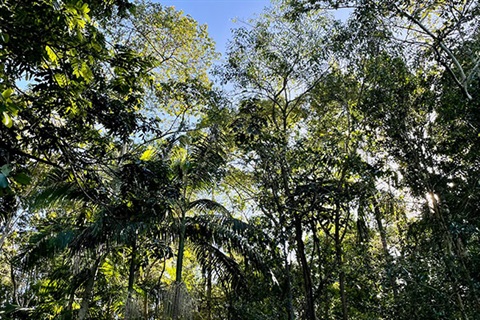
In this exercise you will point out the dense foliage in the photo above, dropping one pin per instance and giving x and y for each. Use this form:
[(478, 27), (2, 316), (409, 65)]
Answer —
[(336, 175)]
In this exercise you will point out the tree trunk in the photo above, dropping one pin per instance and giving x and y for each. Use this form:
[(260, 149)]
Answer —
[(307, 279), (181, 248), (87, 294), (109, 309), (290, 312), (339, 260), (179, 269), (145, 306), (14, 284), (71, 300), (209, 291), (388, 257), (6, 231), (131, 278)]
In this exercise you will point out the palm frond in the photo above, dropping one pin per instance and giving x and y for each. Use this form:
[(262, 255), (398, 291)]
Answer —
[(45, 244), (57, 187), (225, 267), (56, 193), (228, 233), (207, 205)]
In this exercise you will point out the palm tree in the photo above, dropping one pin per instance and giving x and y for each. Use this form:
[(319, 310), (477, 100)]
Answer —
[(206, 224), (107, 211), (128, 207)]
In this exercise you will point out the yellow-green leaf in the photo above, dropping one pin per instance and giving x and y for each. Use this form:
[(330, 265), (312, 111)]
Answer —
[(51, 54), (7, 93), (6, 120), (61, 79), (148, 154), (85, 9)]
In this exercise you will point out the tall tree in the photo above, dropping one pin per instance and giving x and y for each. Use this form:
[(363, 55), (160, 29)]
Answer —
[(277, 65)]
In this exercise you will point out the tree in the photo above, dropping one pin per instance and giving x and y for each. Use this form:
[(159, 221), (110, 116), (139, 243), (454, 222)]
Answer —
[(72, 109), (82, 115), (205, 223), (431, 28), (280, 66), (341, 181)]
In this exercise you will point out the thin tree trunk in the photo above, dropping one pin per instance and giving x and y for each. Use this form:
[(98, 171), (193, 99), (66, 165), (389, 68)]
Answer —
[(71, 300), (145, 306), (339, 260), (388, 257), (14, 284), (109, 309), (181, 248), (6, 231), (178, 273), (290, 312), (307, 279), (87, 294), (131, 278), (209, 291)]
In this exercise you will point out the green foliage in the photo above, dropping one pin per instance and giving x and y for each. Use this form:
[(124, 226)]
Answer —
[(341, 182)]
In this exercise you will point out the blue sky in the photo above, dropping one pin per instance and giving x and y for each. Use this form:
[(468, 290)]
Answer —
[(218, 14)]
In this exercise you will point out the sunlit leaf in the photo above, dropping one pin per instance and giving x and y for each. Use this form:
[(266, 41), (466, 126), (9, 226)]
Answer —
[(6, 120), (7, 93), (148, 154), (51, 54)]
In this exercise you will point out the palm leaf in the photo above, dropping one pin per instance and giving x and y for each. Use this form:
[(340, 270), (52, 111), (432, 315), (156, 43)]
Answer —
[(46, 244), (230, 234), (207, 205), (225, 267)]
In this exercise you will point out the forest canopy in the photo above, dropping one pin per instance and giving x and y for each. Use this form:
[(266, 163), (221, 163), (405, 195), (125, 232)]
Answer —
[(323, 168)]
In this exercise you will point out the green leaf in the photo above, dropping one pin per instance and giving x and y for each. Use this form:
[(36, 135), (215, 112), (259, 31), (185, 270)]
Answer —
[(51, 54), (77, 69), (86, 72), (3, 181), (148, 154), (84, 9), (11, 108), (22, 178), (9, 308), (61, 79), (6, 120), (7, 93), (107, 268)]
